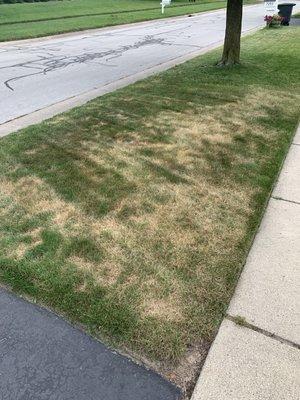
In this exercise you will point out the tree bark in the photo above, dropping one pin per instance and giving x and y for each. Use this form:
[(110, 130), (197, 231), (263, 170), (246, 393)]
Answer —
[(232, 42)]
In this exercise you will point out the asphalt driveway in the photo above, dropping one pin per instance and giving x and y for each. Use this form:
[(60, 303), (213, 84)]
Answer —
[(42, 357)]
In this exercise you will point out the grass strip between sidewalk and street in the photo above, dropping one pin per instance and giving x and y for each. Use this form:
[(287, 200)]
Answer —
[(29, 20), (134, 213)]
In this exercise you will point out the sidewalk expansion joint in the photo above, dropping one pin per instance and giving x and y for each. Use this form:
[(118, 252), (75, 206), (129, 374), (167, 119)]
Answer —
[(243, 323), (288, 201), (296, 144)]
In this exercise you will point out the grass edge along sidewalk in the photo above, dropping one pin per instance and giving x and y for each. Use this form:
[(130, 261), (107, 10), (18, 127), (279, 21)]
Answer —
[(133, 214), (258, 337)]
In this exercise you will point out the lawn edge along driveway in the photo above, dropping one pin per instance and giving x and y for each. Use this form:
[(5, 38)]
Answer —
[(53, 359)]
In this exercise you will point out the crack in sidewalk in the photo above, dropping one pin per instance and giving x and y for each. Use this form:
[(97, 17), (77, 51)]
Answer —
[(288, 201), (242, 322)]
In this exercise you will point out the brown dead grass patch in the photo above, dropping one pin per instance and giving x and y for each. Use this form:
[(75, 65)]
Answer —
[(36, 196), (22, 248), (163, 309)]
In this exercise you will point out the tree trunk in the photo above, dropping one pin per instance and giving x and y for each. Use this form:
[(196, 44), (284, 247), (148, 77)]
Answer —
[(231, 50)]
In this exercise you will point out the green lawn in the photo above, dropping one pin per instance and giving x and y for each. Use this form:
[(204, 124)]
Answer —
[(25, 20), (133, 214)]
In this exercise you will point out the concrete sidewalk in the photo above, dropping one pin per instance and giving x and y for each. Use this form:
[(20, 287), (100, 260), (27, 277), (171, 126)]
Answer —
[(260, 359)]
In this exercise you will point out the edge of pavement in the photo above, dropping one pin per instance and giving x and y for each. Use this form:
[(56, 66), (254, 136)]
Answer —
[(113, 27), (57, 108)]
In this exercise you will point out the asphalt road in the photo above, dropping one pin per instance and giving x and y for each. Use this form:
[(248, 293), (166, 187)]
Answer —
[(36, 74), (42, 357)]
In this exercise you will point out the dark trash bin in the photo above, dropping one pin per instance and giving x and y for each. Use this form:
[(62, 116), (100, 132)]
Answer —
[(285, 11)]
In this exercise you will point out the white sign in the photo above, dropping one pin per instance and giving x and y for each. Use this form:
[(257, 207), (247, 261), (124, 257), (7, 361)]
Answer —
[(163, 4), (271, 7)]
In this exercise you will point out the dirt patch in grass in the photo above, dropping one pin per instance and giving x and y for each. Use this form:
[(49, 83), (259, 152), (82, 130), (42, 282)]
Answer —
[(133, 214)]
